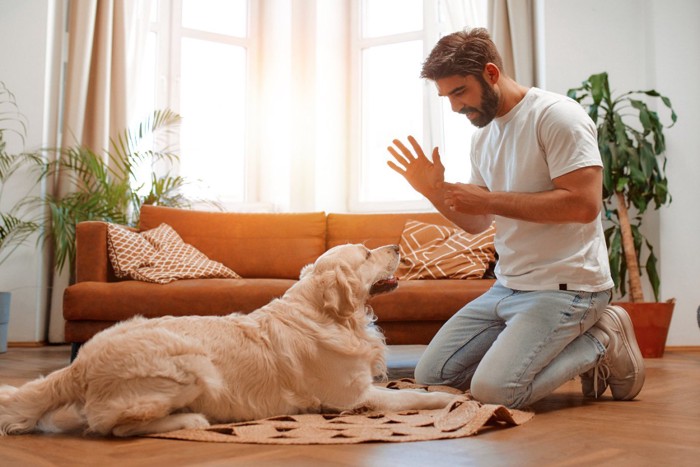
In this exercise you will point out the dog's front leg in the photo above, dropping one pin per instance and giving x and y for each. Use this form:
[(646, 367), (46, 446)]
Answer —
[(393, 400)]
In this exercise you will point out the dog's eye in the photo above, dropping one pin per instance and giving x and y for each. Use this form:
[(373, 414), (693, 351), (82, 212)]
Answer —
[(368, 254)]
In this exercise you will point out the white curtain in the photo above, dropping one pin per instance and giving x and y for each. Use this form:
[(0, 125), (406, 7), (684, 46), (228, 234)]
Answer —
[(463, 14), (512, 27), (95, 106)]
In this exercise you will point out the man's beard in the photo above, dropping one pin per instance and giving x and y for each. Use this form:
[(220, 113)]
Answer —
[(489, 106)]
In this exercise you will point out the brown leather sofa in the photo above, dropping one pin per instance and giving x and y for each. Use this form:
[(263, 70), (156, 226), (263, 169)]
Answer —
[(268, 250)]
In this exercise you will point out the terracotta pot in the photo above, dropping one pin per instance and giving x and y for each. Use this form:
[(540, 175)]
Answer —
[(651, 321)]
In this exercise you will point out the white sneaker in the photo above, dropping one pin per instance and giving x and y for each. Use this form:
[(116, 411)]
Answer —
[(594, 382), (622, 366)]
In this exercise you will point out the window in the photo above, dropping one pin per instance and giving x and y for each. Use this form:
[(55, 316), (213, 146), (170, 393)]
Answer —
[(290, 105), (394, 102), (197, 57)]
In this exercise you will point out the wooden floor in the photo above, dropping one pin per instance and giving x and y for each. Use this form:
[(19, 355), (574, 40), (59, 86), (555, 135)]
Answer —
[(662, 428)]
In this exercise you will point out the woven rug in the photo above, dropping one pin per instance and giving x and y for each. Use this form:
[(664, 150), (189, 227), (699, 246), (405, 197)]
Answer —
[(464, 417)]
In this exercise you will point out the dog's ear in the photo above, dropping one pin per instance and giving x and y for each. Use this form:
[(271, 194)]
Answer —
[(306, 270), (340, 296)]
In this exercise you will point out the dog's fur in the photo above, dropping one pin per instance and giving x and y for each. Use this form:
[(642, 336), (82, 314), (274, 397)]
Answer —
[(314, 349)]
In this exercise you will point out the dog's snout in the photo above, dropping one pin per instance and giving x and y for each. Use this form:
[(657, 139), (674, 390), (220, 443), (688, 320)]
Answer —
[(391, 249)]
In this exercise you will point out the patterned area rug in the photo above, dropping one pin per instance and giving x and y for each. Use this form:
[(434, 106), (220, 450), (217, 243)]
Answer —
[(464, 417)]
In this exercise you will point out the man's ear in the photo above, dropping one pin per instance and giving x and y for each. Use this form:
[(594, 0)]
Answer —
[(491, 73)]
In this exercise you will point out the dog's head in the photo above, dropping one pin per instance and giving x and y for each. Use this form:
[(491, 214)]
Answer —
[(350, 274)]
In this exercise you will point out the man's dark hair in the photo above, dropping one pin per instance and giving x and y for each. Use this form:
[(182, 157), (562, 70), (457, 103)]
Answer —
[(461, 53)]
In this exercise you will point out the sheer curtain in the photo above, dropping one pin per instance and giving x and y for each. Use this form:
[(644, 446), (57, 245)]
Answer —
[(94, 107), (304, 88), (512, 27), (463, 14)]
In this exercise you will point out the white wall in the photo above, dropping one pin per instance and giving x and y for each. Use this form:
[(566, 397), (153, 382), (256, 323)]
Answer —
[(645, 44), (676, 40), (23, 68), (640, 43)]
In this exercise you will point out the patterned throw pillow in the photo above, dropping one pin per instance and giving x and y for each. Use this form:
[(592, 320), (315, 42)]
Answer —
[(159, 255), (128, 250), (430, 251)]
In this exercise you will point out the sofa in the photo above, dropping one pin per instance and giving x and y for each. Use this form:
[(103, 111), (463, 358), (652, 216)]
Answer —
[(267, 251)]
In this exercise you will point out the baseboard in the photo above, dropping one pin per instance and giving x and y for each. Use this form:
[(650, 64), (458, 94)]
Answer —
[(671, 348), (27, 345), (682, 348)]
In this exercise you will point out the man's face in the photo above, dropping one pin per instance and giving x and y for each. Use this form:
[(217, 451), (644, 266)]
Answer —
[(470, 96)]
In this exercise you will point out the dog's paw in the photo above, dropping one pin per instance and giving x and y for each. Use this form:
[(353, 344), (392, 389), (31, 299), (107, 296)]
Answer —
[(438, 400), (359, 410), (6, 392), (193, 421), (174, 422)]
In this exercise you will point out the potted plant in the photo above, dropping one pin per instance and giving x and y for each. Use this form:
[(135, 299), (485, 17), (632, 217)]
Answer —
[(632, 145), (102, 186), (15, 223), (105, 186)]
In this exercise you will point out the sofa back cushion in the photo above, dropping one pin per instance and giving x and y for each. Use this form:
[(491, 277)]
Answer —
[(255, 245), (374, 230)]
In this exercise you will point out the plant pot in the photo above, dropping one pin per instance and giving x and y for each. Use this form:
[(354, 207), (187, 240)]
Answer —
[(651, 321), (4, 319)]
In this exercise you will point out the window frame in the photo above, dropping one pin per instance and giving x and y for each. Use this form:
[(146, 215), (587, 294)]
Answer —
[(432, 115), (169, 34), (260, 158), (433, 133)]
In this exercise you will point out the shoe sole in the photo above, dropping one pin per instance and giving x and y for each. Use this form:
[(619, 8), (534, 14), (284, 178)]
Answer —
[(620, 316)]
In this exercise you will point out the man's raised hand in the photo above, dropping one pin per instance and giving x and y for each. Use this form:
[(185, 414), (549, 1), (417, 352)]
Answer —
[(424, 175)]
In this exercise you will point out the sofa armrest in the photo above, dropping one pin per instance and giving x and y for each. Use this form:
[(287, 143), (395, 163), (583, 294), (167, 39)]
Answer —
[(91, 255)]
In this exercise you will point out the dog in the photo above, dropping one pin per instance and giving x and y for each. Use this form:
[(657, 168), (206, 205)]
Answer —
[(313, 350)]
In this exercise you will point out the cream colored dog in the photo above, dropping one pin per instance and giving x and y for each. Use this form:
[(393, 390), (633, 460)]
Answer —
[(314, 349)]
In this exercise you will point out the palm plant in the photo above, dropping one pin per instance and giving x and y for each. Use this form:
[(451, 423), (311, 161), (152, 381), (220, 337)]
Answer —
[(105, 186), (15, 227), (632, 144)]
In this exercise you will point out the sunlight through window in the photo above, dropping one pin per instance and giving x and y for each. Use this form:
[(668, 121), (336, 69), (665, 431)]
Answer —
[(241, 73)]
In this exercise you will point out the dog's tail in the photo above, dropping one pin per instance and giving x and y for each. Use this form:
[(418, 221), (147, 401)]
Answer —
[(22, 408)]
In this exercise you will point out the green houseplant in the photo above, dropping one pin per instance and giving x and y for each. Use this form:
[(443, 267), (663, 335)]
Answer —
[(632, 145), (105, 186), (97, 186), (16, 223)]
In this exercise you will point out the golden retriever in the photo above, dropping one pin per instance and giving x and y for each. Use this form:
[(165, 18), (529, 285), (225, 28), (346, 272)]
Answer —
[(315, 349)]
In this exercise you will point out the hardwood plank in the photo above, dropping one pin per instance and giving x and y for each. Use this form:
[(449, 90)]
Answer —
[(662, 427)]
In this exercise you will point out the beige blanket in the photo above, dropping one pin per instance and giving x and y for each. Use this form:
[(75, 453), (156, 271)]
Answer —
[(464, 417)]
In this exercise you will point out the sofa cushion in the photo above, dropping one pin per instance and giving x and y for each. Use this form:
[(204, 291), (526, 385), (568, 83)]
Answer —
[(116, 301), (127, 250), (430, 251), (159, 255), (411, 314), (374, 230), (427, 300), (255, 245)]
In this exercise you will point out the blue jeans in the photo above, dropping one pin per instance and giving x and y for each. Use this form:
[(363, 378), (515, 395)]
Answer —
[(513, 347)]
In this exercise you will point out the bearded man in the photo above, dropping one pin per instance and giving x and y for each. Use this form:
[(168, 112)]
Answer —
[(536, 172)]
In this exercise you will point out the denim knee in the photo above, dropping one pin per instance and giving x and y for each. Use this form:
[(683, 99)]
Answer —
[(428, 372), (488, 390), (441, 373)]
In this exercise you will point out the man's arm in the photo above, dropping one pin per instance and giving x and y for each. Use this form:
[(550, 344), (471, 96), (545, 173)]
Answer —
[(427, 178), (575, 198)]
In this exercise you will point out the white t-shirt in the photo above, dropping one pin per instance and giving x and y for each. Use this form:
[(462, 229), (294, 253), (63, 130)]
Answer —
[(544, 136)]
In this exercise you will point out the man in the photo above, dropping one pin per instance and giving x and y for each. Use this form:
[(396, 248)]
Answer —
[(536, 172)]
